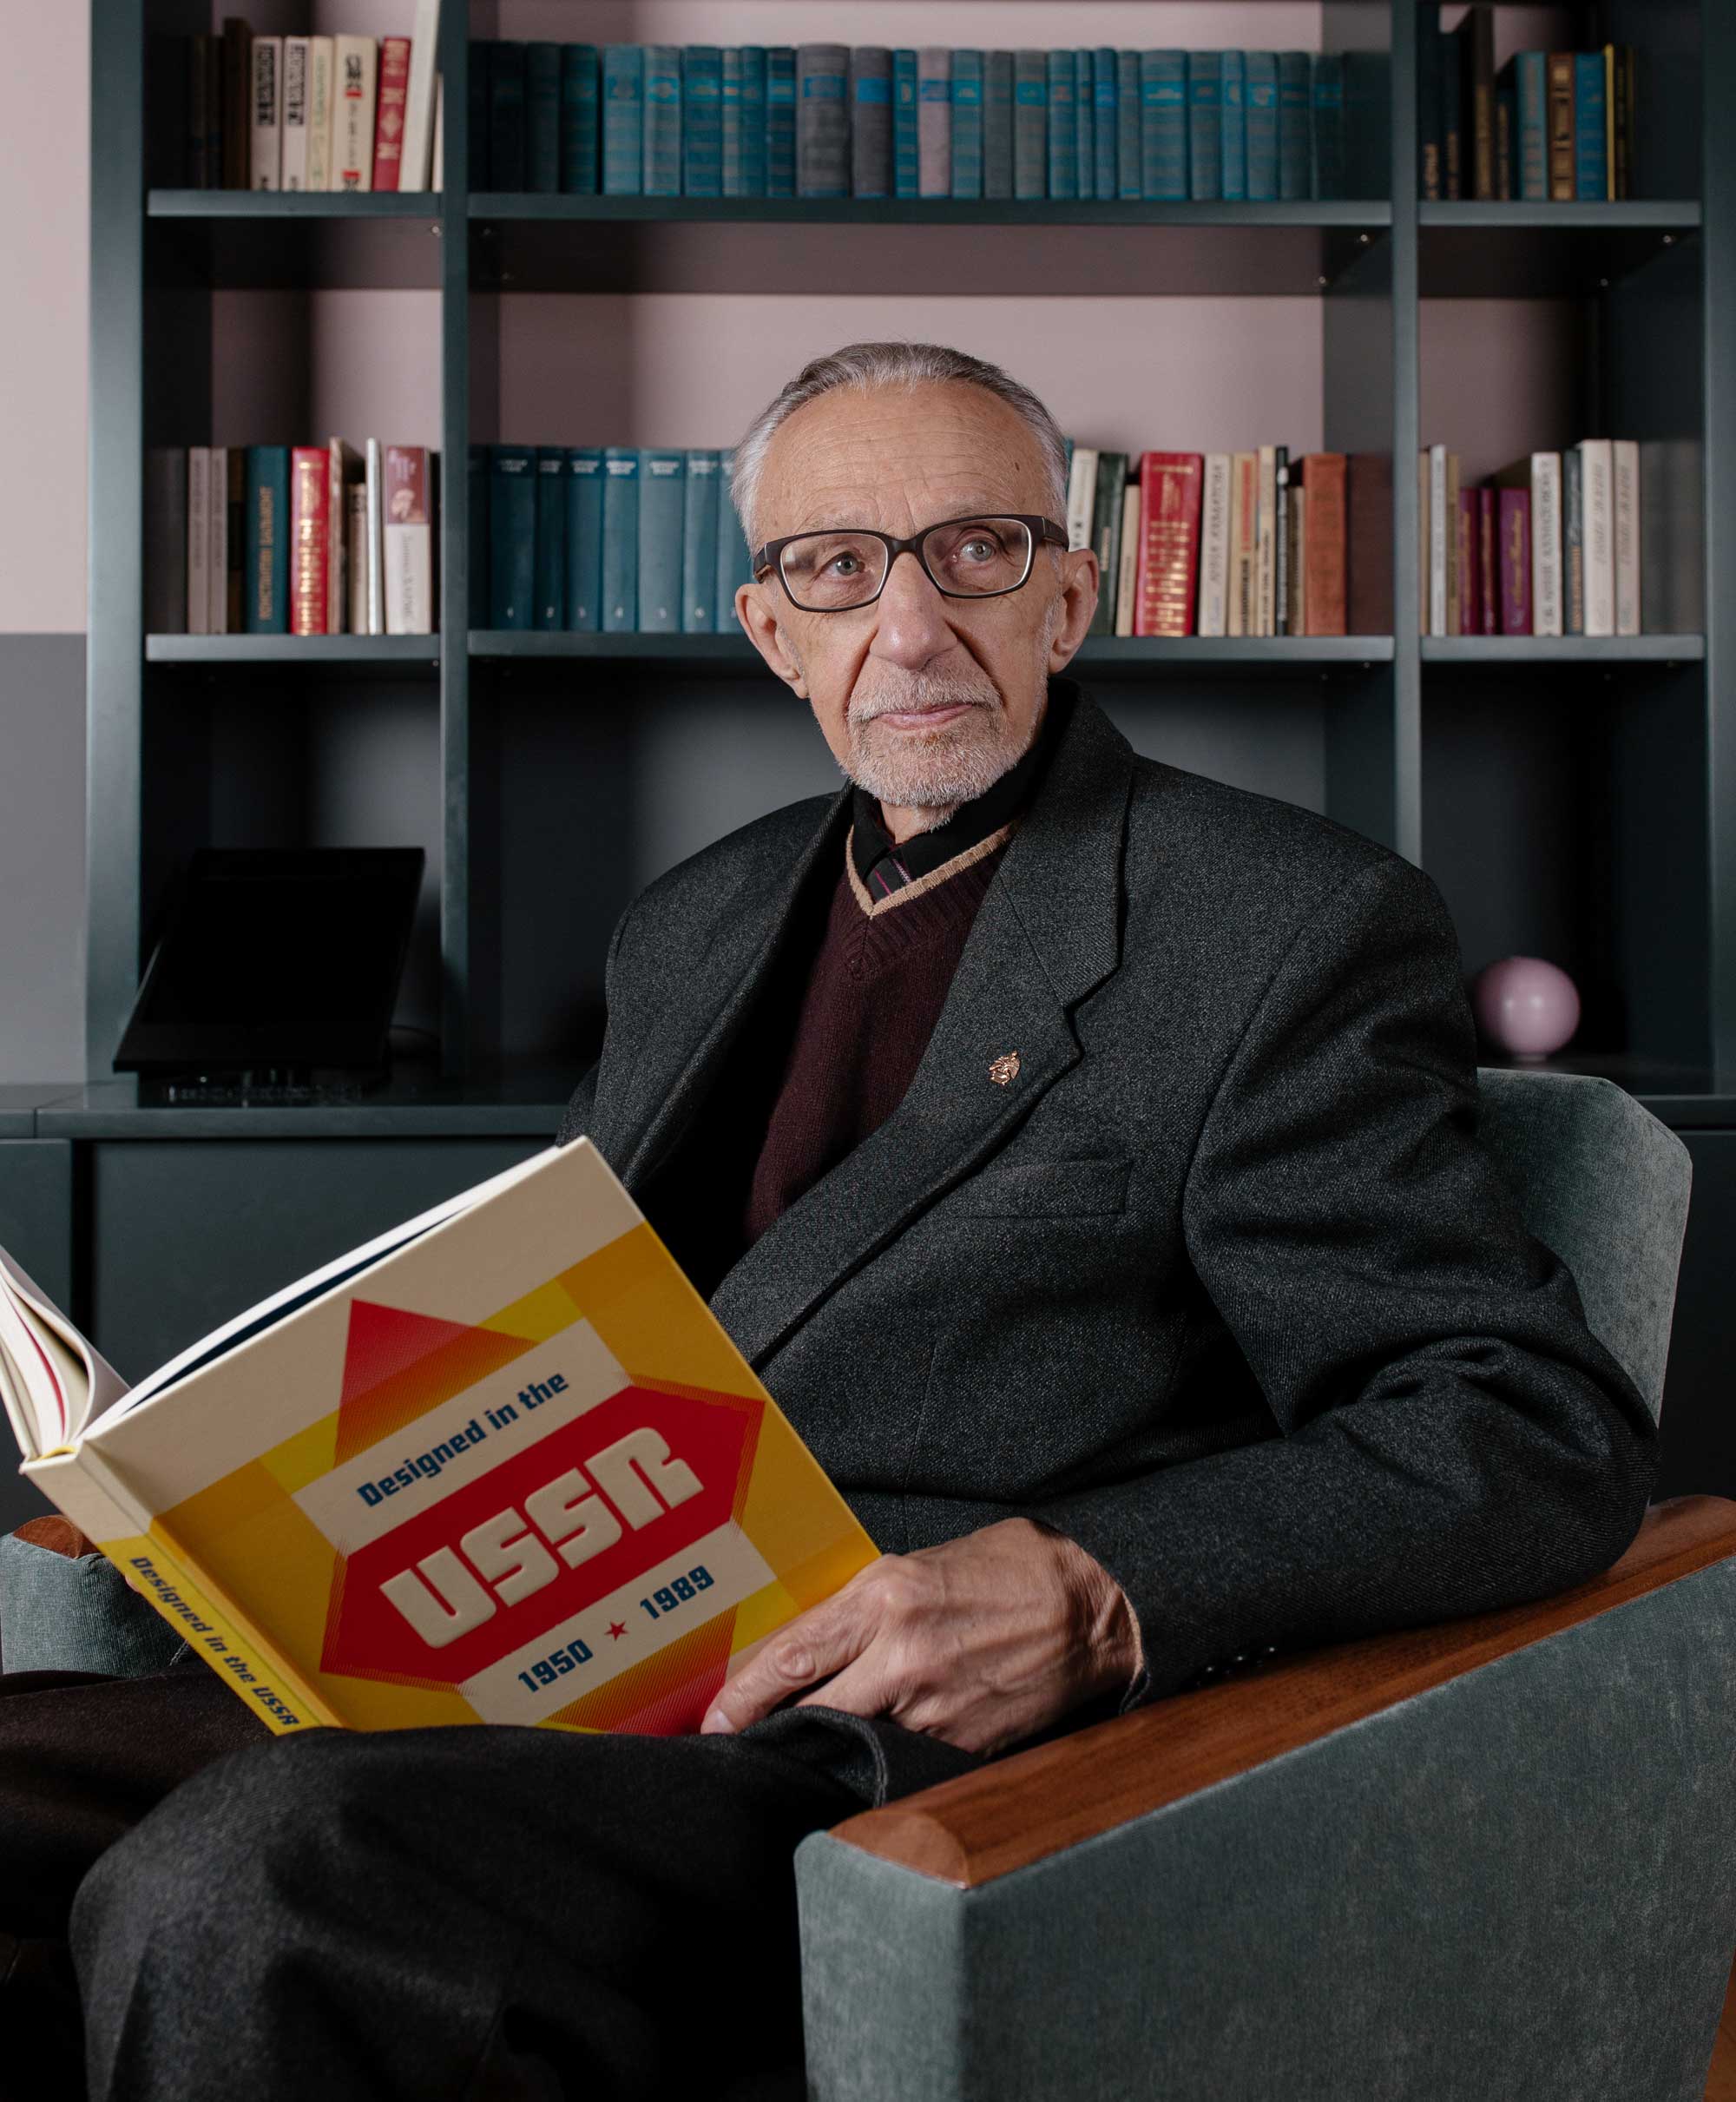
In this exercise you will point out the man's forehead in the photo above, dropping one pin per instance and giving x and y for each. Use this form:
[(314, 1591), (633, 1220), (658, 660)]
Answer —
[(831, 515)]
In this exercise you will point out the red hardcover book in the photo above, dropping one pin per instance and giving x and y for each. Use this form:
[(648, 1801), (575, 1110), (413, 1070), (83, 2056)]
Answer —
[(1323, 491), (1171, 484), (1514, 553), (1470, 573), (1488, 568), (310, 513), (394, 90)]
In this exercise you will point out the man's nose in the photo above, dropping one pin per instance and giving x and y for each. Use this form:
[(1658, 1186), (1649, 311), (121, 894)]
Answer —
[(913, 626)]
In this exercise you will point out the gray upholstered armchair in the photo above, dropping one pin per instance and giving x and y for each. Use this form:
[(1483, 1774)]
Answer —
[(1493, 1860)]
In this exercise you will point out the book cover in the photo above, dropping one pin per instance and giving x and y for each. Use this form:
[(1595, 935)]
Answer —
[(584, 538), (1470, 597), (871, 121), (407, 556), (1562, 87), (1169, 543), (512, 536), (699, 544), (752, 121), (702, 121), (1514, 533), (620, 539), (393, 93), (542, 118), (1232, 142), (1479, 57), (662, 119), (267, 540), (1295, 125), (1031, 124), (663, 502), (1163, 124), (780, 121), (1531, 93), (906, 153), (199, 540), (1084, 126), (1064, 126), (1596, 458), (415, 162), (237, 101), (1368, 538), (355, 61), (623, 91), (1625, 452), (1488, 562), (294, 156), (1429, 163), (1572, 543), (1106, 135), (1262, 127), (1591, 110), (934, 121), (204, 112), (967, 124), (733, 568), (1326, 95), (1127, 579), (501, 1465), (997, 125), (1129, 147), (1454, 158), (1106, 536), (265, 114), (343, 467), (822, 124), (309, 538), (1205, 125), (580, 93), (548, 605), (1214, 543), (479, 99)]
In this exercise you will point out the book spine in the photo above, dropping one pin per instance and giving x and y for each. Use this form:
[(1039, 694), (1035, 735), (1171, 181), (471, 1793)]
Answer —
[(1437, 540), (1628, 608), (264, 110), (732, 570), (623, 88), (417, 162), (1561, 88), (1465, 524), (1296, 619), (393, 93), (822, 130), (698, 545), (663, 488), (1232, 146), (1368, 543), (1546, 542), (1031, 124), (1169, 543), (780, 121), (373, 484), (1452, 542), (1106, 134), (479, 99), (1243, 618), (1451, 79), (217, 604), (512, 536), (1591, 150), (1531, 87), (1264, 541), (166, 537), (1514, 524), (1295, 125), (662, 119), (1082, 494), (1430, 184), (1506, 144), (619, 540), (1214, 543), (1262, 128), (584, 539), (730, 79), (294, 158), (1127, 577), (1064, 126), (1621, 123), (966, 147), (580, 98), (1487, 562), (309, 516), (1084, 126), (1480, 63), (1163, 124), (509, 147), (906, 152), (1572, 541), (1326, 92), (542, 118), (702, 120), (237, 102), (1205, 125), (1106, 536), (321, 84), (1281, 560), (204, 118), (997, 125), (199, 540), (934, 121), (753, 120), (1129, 169), (355, 60), (1597, 474), (871, 121), (548, 606), (356, 556), (267, 540)]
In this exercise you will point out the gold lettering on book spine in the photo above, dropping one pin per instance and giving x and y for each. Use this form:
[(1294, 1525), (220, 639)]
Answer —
[(307, 589)]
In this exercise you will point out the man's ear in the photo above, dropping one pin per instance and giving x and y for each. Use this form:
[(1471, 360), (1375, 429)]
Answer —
[(754, 610), (1078, 602)]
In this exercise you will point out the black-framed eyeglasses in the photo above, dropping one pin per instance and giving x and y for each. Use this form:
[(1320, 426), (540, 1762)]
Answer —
[(983, 554)]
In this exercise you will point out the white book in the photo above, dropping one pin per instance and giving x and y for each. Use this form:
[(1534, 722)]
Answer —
[(217, 621), (1127, 582), (199, 540), (374, 485), (1214, 545), (265, 109), (1081, 496), (419, 100), (1626, 451), (408, 557), (356, 555), (355, 83), (294, 163), (1546, 598), (1597, 533), (1265, 544), (321, 64), (437, 174), (1437, 540)]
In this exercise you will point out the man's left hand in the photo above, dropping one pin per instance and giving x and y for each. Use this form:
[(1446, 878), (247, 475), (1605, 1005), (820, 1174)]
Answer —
[(979, 1642)]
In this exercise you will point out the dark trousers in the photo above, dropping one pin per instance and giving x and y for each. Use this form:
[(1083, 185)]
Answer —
[(465, 1913)]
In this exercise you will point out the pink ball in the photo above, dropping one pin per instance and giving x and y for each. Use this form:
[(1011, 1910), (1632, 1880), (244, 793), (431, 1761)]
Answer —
[(1525, 1006)]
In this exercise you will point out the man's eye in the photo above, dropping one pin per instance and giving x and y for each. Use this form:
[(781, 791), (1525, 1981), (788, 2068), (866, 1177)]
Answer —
[(979, 550), (840, 565)]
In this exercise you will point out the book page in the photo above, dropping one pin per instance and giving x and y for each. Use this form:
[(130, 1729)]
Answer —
[(64, 1379)]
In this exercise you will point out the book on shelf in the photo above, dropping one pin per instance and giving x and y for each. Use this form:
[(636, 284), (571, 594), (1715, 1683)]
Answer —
[(407, 558), (199, 540), (1168, 543), (356, 563), (236, 68), (1572, 541), (1105, 529), (264, 117), (415, 162), (1539, 476), (548, 606), (322, 85), (871, 121), (1084, 126), (356, 63), (392, 75), (1561, 89), (822, 121), (623, 91), (934, 123), (663, 493), (204, 112), (1205, 126), (1479, 99), (498, 1465), (1163, 125), (1214, 543), (1063, 125), (1082, 494), (580, 119), (906, 140), (1514, 551), (267, 540), (310, 496), (1282, 582), (512, 536), (662, 153), (1126, 575), (509, 145), (293, 160), (1031, 124), (702, 121), (733, 566), (997, 126), (620, 539), (584, 538), (373, 550), (781, 120), (543, 117), (965, 145), (699, 543), (1625, 452), (1295, 147)]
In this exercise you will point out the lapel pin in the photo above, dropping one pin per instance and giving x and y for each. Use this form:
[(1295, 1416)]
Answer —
[(1006, 1069)]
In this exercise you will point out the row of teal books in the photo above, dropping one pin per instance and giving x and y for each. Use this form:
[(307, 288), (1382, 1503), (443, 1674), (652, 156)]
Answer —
[(604, 539), (826, 120)]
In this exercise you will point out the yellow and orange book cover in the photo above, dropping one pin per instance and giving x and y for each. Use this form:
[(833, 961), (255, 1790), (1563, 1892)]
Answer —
[(500, 1465)]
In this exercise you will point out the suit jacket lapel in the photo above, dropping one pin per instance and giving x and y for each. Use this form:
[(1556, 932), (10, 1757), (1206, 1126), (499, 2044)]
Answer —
[(1047, 934)]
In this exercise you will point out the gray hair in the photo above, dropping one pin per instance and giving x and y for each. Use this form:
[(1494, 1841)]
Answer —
[(891, 365)]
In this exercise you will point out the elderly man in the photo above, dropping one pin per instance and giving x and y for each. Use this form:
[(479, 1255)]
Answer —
[(1084, 1155)]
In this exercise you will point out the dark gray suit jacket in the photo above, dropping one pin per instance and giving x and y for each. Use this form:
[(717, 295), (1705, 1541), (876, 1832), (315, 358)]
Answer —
[(1219, 1284)]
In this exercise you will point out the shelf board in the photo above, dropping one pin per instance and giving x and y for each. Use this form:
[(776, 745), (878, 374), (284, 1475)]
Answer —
[(1522, 250), (273, 239), (278, 205), (1564, 649), (394, 654), (524, 206), (1674, 215)]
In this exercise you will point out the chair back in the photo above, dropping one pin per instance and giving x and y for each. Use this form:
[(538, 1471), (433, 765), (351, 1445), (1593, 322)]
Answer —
[(1604, 1185)]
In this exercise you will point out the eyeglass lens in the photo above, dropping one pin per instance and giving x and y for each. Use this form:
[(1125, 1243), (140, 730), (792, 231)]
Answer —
[(968, 558)]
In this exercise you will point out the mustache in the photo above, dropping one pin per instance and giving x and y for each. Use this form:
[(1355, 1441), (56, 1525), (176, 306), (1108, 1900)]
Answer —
[(922, 696)]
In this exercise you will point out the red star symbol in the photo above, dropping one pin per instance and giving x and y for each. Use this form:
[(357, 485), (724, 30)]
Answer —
[(617, 1629)]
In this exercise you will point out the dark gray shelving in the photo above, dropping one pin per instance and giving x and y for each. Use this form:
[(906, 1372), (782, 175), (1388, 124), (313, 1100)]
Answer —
[(1564, 649), (298, 653)]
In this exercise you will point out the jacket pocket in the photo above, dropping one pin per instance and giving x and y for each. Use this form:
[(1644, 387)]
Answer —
[(1042, 1189)]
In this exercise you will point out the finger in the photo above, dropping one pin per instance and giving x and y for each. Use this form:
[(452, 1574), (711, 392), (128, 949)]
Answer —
[(813, 1646), (865, 1688)]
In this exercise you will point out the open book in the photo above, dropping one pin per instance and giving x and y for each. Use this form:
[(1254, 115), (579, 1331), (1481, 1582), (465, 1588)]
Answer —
[(500, 1465)]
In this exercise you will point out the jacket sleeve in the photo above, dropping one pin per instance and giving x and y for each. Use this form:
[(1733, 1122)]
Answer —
[(575, 1119), (1452, 1438)]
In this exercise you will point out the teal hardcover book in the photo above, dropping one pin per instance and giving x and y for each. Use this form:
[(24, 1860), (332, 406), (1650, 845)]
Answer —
[(1129, 173), (662, 490), (623, 120), (1326, 80), (781, 120), (967, 124), (1163, 124), (870, 121), (1262, 127), (698, 545), (579, 108), (549, 606), (1106, 122), (702, 120), (512, 536), (1591, 149), (543, 117), (620, 539), (997, 125), (1295, 125), (662, 119), (584, 538), (1234, 141), (265, 600), (753, 120), (1031, 124), (1084, 126), (1063, 127), (506, 115), (906, 164), (1205, 126)]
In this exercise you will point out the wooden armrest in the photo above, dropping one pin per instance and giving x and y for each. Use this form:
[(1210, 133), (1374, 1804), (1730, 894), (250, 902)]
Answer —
[(1037, 1802), (59, 1535)]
